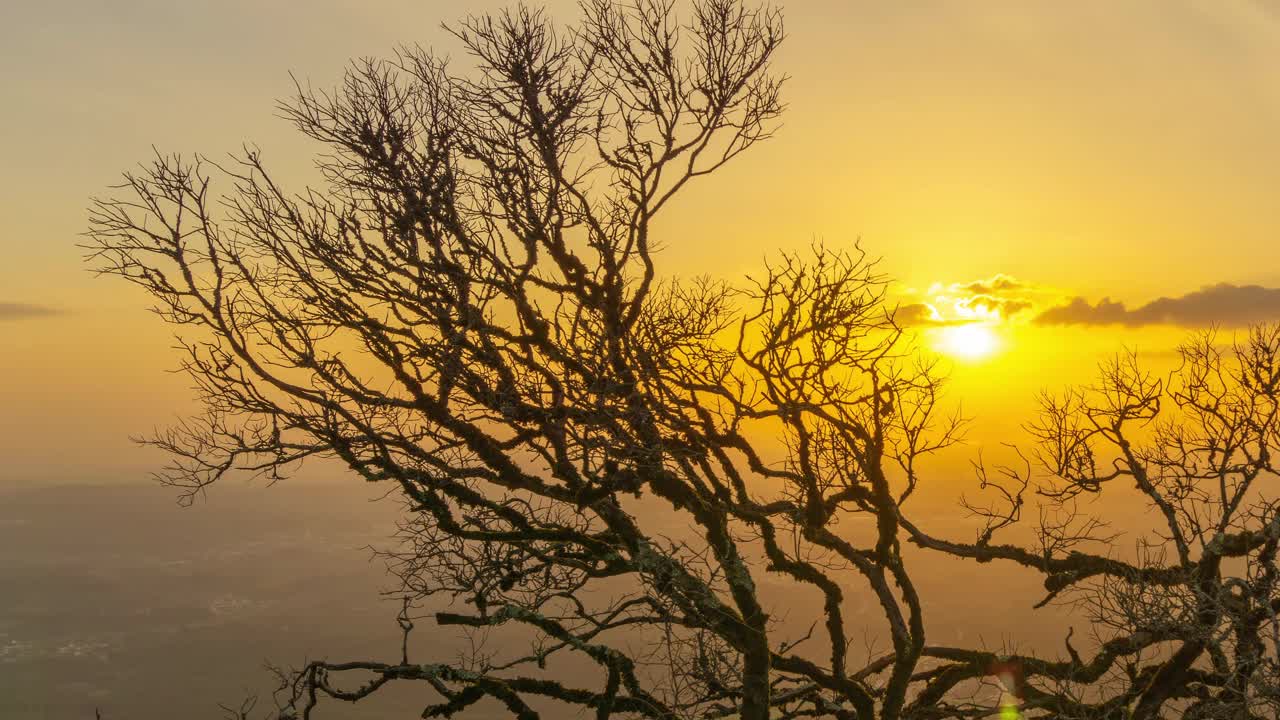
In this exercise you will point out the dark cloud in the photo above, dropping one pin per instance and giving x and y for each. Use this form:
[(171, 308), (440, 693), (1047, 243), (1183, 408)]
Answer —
[(1006, 307), (1223, 304), (17, 311), (996, 284), (917, 314), (1080, 312)]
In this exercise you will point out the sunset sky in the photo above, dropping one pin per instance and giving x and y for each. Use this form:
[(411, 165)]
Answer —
[(1046, 181)]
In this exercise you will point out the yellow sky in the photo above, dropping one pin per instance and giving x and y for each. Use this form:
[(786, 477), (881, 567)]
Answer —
[(1092, 148)]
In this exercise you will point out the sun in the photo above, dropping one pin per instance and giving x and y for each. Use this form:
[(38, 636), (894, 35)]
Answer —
[(970, 341)]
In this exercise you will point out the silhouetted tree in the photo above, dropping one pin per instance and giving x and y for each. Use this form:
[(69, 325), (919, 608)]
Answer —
[(470, 310)]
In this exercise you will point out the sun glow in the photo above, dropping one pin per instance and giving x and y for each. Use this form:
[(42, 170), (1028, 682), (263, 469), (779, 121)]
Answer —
[(970, 341)]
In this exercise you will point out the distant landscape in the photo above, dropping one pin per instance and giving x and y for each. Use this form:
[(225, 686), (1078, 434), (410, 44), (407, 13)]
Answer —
[(115, 598)]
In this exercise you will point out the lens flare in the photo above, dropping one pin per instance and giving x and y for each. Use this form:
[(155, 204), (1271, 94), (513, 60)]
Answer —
[(1009, 677)]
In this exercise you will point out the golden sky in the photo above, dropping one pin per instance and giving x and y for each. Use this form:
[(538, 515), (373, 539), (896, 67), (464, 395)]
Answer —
[(1081, 151)]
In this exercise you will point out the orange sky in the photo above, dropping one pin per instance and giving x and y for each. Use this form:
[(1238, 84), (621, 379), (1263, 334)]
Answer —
[(1093, 148)]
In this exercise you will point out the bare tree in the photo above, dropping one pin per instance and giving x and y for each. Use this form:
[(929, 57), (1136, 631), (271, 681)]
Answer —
[(1188, 625), (470, 311)]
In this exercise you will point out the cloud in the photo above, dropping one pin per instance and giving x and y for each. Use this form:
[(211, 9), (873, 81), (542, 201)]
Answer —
[(19, 311), (918, 314), (997, 298), (996, 284), (1222, 304), (989, 304)]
